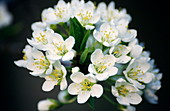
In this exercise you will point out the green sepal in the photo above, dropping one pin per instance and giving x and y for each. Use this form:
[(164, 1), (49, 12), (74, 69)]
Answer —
[(84, 56)]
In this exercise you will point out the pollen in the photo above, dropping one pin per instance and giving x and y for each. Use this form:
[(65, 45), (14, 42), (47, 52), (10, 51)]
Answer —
[(86, 85)]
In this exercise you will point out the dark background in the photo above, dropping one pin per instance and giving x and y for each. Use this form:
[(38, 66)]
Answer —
[(21, 91)]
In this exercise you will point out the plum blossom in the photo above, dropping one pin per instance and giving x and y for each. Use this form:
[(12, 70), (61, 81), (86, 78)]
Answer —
[(86, 15), (126, 93), (102, 65), (137, 73), (57, 77), (60, 13), (107, 35), (120, 52), (60, 49), (84, 86)]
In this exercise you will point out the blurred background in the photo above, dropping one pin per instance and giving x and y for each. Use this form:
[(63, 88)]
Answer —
[(21, 91)]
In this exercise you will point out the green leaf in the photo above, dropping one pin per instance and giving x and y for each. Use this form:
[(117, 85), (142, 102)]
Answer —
[(84, 56), (83, 43), (91, 103), (77, 31)]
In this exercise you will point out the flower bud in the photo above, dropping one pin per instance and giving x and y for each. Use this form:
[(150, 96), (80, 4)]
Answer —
[(48, 104)]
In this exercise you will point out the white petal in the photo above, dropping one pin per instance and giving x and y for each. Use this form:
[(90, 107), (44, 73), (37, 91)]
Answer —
[(77, 77), (123, 59), (91, 69), (97, 90), (130, 35), (52, 56), (95, 19), (112, 71), (105, 27), (48, 85), (122, 100), (109, 60), (102, 77), (74, 88), (21, 63), (89, 27), (69, 43), (114, 91), (146, 78), (68, 56), (63, 84), (83, 96), (96, 56), (91, 78), (97, 35), (134, 98), (136, 51), (49, 70)]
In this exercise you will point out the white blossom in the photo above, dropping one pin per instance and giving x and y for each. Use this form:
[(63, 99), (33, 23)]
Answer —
[(126, 93), (47, 104), (39, 64), (57, 77), (107, 35), (86, 15), (126, 34), (111, 15), (136, 49), (39, 26), (154, 85), (75, 69), (5, 15), (27, 55), (84, 86), (60, 49), (120, 52), (41, 39), (137, 73), (102, 65), (60, 13)]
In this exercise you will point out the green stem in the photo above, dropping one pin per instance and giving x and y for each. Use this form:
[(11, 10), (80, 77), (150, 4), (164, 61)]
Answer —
[(109, 100), (106, 89)]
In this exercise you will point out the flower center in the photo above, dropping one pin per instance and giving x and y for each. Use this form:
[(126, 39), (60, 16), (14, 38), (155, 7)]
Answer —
[(119, 50), (60, 12), (62, 50), (135, 73), (122, 90), (86, 85), (42, 39), (100, 68), (56, 75), (107, 35), (41, 63)]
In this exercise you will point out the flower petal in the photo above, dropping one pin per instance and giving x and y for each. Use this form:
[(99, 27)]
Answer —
[(97, 90), (112, 71), (68, 56), (48, 85), (134, 98), (69, 43), (77, 77), (96, 55), (83, 96), (122, 100), (63, 84), (114, 91), (74, 88)]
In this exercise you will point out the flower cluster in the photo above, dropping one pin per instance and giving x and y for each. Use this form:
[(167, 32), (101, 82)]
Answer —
[(90, 45)]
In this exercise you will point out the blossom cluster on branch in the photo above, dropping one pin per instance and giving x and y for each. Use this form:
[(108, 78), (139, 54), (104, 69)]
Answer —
[(95, 48)]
